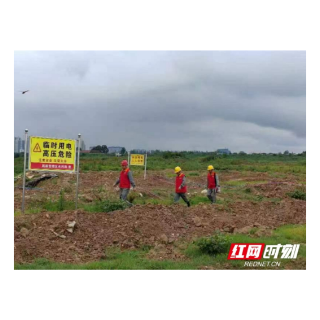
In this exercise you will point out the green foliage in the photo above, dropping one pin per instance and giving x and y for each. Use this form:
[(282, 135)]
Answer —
[(199, 199), (18, 165), (298, 194), (101, 149), (260, 197), (131, 196), (44, 204), (295, 233), (173, 155), (215, 244), (61, 201), (107, 206), (116, 259), (253, 230), (193, 161), (209, 158), (86, 167)]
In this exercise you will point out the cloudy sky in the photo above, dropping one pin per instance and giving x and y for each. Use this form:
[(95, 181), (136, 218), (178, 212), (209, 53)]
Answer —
[(172, 100)]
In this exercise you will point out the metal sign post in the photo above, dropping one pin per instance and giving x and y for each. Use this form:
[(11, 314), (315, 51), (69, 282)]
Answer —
[(78, 169), (145, 167), (24, 168), (128, 159)]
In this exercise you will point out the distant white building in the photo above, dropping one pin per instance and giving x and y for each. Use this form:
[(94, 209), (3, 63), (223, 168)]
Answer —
[(22, 146), (82, 146), (114, 150), (223, 151), (139, 151), (17, 144)]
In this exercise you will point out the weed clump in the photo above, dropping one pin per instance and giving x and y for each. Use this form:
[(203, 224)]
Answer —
[(215, 244), (173, 155), (299, 194), (61, 201), (109, 206)]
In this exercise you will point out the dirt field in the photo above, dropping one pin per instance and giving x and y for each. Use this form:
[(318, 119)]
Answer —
[(163, 227), (97, 185)]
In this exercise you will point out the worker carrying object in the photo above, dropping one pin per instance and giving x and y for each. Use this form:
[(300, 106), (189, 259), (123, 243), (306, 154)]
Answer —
[(181, 187), (125, 180), (212, 184)]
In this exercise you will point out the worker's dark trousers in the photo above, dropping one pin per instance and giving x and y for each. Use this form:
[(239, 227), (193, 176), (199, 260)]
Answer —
[(211, 194), (180, 195), (123, 195)]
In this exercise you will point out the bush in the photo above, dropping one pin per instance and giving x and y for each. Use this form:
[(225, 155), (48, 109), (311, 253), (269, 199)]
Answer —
[(209, 158), (259, 197), (173, 155), (131, 197), (215, 244), (298, 194)]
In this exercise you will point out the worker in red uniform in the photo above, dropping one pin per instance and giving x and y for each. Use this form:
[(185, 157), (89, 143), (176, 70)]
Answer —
[(181, 187), (125, 180), (212, 184)]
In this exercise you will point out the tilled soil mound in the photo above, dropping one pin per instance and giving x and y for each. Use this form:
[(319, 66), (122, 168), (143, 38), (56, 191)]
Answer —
[(45, 235)]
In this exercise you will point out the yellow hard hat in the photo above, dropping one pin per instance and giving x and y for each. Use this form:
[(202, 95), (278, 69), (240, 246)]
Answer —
[(210, 167), (177, 169)]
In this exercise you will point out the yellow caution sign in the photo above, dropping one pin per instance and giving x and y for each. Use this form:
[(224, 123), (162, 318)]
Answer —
[(137, 159), (50, 154), (37, 148)]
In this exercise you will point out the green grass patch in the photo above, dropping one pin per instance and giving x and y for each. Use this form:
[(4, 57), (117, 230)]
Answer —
[(148, 200), (295, 233), (45, 204), (201, 199), (289, 234), (196, 258), (190, 161), (243, 182), (53, 206), (298, 194), (105, 206), (126, 260)]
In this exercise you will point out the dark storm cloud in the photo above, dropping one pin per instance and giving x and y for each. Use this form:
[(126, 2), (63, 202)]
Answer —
[(252, 101)]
